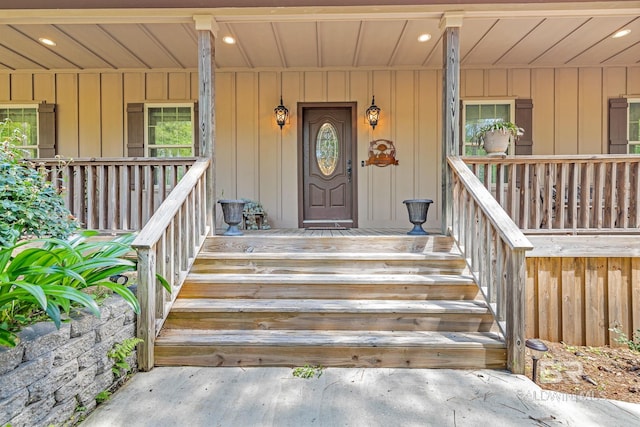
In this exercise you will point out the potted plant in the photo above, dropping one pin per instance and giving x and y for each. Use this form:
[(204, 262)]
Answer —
[(255, 217), (232, 213), (497, 136)]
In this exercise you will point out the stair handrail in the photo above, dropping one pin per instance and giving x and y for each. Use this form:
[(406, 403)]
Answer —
[(167, 247), (494, 248)]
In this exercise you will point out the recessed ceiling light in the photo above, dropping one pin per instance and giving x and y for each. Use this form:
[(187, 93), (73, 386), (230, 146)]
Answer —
[(229, 40), (46, 41), (621, 33), (424, 37)]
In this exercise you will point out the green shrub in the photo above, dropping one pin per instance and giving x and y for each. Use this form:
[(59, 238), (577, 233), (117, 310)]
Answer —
[(49, 279), (29, 204), (119, 354)]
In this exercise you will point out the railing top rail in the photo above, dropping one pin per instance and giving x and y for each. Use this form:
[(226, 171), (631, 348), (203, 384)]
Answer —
[(507, 229), (153, 230), (580, 158), (119, 161)]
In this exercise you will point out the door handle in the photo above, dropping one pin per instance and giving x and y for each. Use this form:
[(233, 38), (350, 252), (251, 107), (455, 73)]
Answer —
[(349, 170)]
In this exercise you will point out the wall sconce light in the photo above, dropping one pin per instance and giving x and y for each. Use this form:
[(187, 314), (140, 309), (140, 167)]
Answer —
[(282, 114), (538, 348), (373, 113)]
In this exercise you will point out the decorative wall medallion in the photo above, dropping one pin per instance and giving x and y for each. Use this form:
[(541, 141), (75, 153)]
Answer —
[(382, 152)]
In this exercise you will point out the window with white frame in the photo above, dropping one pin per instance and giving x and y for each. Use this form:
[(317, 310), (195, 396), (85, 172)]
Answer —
[(24, 118), (476, 114), (169, 130), (634, 126)]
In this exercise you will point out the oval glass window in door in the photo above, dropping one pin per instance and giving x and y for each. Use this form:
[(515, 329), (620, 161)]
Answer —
[(327, 149)]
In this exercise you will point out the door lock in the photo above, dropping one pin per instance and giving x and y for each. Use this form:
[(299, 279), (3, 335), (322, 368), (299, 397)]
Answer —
[(349, 170)]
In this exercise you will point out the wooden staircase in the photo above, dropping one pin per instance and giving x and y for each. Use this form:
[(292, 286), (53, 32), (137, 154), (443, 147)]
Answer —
[(365, 301)]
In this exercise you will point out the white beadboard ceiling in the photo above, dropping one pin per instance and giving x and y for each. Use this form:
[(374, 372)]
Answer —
[(487, 39)]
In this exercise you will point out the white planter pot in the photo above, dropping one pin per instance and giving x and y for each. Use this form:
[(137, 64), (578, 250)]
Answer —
[(496, 143)]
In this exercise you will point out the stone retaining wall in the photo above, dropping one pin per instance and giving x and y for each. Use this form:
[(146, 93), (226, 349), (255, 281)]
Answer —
[(53, 375)]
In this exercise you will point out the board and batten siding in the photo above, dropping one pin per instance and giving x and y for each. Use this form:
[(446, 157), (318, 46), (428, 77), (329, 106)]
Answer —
[(256, 160)]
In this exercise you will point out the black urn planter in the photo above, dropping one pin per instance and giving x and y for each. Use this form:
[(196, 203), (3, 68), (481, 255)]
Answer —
[(418, 209), (232, 212)]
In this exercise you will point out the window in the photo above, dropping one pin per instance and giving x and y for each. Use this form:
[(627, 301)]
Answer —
[(477, 114), (169, 130), (634, 126), (25, 118)]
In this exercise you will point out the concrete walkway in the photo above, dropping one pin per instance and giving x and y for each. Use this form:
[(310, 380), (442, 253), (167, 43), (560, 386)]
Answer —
[(237, 397)]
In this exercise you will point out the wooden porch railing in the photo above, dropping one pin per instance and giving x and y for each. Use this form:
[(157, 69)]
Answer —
[(565, 193), (167, 246), (115, 194), (495, 251)]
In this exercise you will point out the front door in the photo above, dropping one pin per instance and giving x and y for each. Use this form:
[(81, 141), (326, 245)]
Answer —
[(328, 155)]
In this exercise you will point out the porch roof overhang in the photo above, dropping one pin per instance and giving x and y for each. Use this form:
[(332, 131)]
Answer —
[(315, 34)]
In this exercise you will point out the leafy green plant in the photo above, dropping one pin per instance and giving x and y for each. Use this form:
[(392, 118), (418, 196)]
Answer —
[(119, 354), (499, 126), (103, 396), (52, 277), (252, 211), (308, 371), (30, 205), (633, 343)]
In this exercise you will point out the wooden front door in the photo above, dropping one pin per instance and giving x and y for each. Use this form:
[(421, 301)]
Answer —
[(327, 184)]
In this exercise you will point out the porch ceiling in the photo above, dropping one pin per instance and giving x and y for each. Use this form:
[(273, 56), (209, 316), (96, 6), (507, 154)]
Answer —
[(367, 38)]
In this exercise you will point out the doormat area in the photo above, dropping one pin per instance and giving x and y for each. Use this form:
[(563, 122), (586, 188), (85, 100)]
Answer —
[(326, 228)]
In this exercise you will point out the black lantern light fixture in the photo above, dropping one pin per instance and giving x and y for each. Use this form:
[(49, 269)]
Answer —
[(373, 113), (282, 114), (538, 348)]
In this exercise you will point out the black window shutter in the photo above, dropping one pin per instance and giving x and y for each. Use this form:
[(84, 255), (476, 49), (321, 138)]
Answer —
[(135, 130), (618, 142), (524, 119), (46, 130), (196, 131)]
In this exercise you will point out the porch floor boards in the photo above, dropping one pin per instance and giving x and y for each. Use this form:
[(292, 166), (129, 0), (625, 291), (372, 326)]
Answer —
[(370, 298)]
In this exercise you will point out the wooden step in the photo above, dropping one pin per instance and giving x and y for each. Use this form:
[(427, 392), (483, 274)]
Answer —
[(344, 244), (316, 314), (317, 263), (424, 349), (327, 286)]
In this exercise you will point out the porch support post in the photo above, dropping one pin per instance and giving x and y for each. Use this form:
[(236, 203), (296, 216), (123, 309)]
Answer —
[(207, 29), (450, 26)]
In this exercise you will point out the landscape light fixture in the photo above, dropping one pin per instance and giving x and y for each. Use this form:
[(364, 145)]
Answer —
[(373, 113), (538, 348), (282, 114)]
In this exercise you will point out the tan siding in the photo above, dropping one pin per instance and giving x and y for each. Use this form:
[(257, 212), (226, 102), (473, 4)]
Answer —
[(633, 81), (225, 136), (112, 103), (247, 142), (360, 92), (337, 86), (590, 111), (44, 87), (5, 87), (156, 86), (268, 137), (382, 182), (179, 86), (67, 114), (22, 87), (195, 84), (566, 111), (542, 87), (89, 115), (314, 86), (498, 82), (404, 125), (472, 83), (288, 209), (520, 83)]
